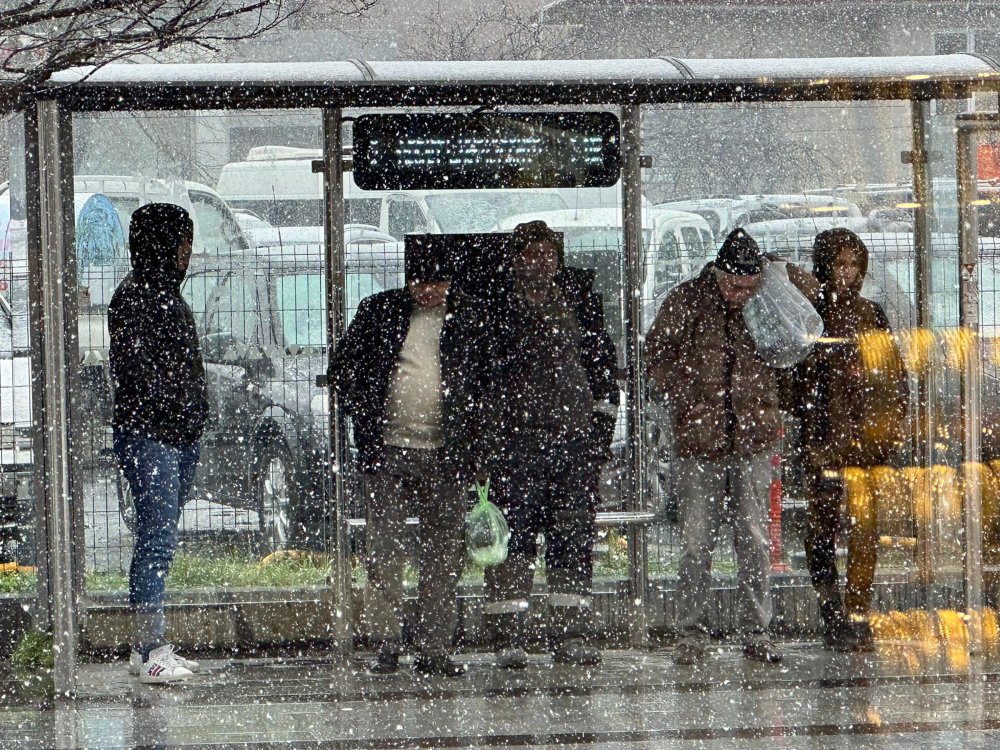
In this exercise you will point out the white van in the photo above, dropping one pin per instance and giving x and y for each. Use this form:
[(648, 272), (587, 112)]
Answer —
[(278, 185)]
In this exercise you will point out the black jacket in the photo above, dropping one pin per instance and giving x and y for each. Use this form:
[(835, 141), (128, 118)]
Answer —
[(156, 368), (597, 355), (366, 359)]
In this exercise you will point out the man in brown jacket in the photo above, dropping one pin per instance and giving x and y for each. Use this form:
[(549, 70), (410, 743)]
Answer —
[(724, 404)]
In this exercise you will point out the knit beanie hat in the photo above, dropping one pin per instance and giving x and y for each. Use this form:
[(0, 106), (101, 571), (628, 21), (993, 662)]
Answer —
[(740, 255)]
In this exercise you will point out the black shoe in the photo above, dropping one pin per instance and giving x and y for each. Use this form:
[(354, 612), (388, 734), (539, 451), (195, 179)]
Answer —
[(577, 652), (761, 649), (689, 651), (840, 636), (437, 666), (386, 659), (384, 664), (864, 638)]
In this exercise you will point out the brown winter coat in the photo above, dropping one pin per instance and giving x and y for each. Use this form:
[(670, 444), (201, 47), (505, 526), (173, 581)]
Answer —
[(723, 399), (851, 393)]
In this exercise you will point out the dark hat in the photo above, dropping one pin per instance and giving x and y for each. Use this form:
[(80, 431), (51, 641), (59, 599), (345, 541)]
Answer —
[(740, 255), (426, 259)]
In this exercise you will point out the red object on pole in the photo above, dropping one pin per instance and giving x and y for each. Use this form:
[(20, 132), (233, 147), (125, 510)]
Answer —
[(777, 566)]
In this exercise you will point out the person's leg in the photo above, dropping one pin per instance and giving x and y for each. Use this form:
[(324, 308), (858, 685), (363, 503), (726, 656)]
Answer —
[(441, 534), (862, 554), (152, 472), (508, 585), (388, 496), (187, 467), (569, 537), (700, 486), (750, 488), (823, 521)]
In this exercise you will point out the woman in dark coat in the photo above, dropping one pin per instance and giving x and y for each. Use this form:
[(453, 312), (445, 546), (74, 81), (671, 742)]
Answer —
[(851, 399)]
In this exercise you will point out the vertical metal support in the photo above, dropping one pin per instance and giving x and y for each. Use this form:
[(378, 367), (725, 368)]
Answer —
[(968, 310), (333, 224), (52, 298), (923, 247), (634, 252)]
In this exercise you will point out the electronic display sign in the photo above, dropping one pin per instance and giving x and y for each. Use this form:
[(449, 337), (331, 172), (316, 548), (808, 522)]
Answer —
[(464, 151)]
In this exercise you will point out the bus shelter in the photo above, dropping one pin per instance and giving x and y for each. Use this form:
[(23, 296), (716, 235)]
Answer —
[(930, 223)]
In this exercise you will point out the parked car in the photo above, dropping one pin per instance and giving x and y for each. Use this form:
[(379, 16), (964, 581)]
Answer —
[(726, 213), (278, 184), (261, 317)]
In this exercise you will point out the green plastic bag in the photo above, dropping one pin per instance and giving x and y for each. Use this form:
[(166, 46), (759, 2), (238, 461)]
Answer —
[(486, 530)]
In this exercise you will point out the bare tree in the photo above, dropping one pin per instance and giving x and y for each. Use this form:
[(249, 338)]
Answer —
[(41, 37)]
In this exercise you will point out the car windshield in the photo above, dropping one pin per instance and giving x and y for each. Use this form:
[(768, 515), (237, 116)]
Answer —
[(301, 299), (479, 212)]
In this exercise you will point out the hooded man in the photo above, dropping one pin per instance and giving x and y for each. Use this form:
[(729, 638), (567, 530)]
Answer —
[(160, 409), (409, 371), (724, 403), (851, 397)]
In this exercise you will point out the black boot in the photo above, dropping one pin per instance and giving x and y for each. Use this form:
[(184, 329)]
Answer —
[(837, 632), (510, 640), (386, 659), (437, 665), (864, 638)]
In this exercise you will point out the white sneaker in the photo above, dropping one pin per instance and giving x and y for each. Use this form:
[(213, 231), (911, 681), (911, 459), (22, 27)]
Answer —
[(163, 666), (135, 662)]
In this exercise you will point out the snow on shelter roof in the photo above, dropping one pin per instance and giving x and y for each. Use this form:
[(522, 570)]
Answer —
[(355, 83)]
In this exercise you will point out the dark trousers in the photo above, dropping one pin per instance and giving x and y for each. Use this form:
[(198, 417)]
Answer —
[(553, 492), (826, 490)]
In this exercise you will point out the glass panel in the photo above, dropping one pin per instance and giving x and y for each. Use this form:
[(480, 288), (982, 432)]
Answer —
[(17, 512), (256, 516), (822, 176), (939, 530)]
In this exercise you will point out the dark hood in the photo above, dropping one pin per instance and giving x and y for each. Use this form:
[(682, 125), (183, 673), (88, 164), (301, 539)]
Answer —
[(155, 232), (827, 246)]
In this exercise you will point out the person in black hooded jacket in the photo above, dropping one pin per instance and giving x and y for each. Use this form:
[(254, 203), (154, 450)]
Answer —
[(850, 396), (160, 410), (552, 409)]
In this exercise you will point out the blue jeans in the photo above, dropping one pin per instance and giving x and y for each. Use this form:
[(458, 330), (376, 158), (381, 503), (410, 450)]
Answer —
[(160, 477)]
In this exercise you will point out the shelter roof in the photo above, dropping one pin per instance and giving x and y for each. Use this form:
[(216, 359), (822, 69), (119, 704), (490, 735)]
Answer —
[(356, 83)]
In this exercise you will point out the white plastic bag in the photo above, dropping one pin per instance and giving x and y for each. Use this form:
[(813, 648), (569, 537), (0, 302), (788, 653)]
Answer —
[(782, 322)]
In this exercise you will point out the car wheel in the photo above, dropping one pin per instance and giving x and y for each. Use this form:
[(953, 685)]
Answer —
[(274, 495), (126, 503)]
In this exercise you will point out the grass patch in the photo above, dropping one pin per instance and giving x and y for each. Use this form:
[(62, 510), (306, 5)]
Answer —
[(190, 571), (33, 652), (17, 582)]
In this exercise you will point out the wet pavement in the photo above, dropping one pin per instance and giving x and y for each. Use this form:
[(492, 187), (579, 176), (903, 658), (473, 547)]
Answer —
[(905, 695)]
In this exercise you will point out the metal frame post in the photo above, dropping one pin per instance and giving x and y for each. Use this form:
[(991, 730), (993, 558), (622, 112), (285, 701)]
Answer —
[(923, 248), (333, 224), (634, 251), (52, 297)]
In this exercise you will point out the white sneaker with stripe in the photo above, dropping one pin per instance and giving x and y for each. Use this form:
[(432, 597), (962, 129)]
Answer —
[(135, 662), (163, 666)]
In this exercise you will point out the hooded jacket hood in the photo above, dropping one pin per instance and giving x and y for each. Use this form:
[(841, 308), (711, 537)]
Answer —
[(155, 232), (826, 248)]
